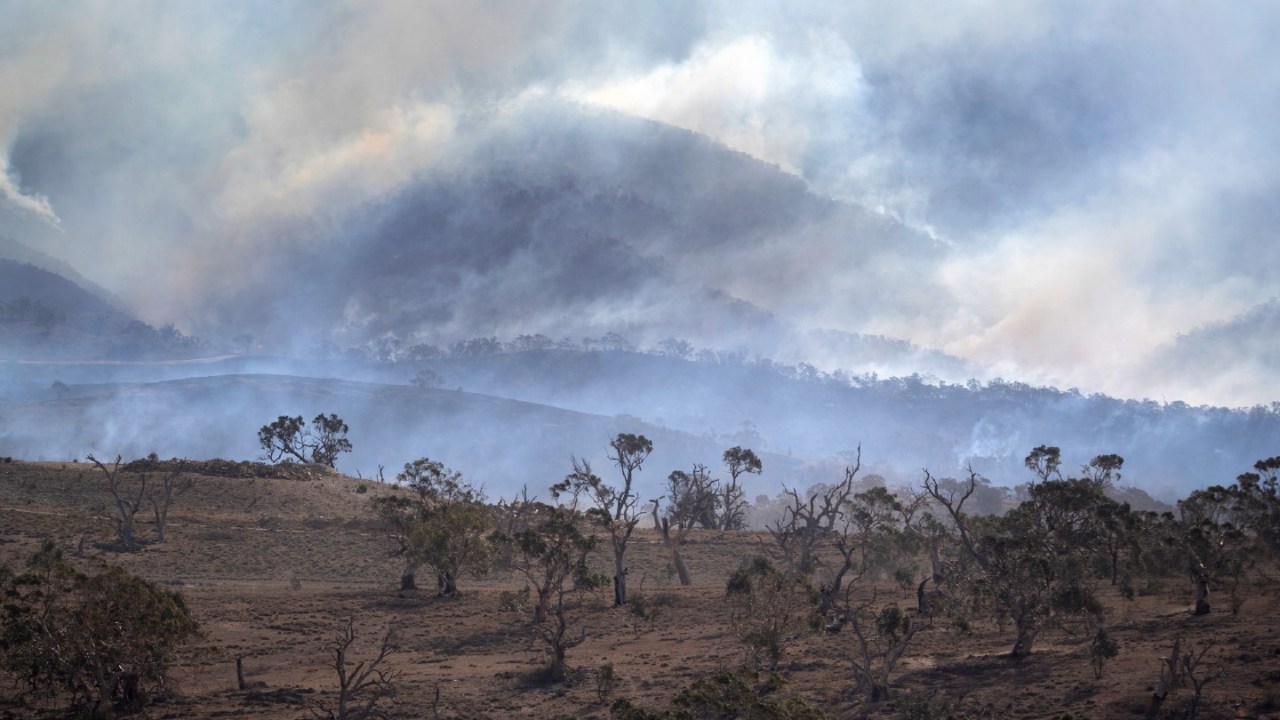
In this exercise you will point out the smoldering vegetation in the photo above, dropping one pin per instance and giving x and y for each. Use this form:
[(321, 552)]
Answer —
[(579, 223), (566, 276), (510, 418)]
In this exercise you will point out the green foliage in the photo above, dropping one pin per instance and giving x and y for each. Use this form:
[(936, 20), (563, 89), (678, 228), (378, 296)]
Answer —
[(105, 639), (552, 556), (732, 505), (1044, 461), (612, 508), (1101, 650), (726, 695), (606, 682), (768, 607), (1225, 533), (288, 439), (1038, 560), (444, 526), (643, 612), (879, 640)]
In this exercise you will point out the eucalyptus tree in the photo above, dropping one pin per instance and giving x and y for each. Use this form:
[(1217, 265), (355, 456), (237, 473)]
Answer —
[(738, 461), (289, 439), (552, 557), (1032, 562), (691, 497), (614, 508), (443, 524)]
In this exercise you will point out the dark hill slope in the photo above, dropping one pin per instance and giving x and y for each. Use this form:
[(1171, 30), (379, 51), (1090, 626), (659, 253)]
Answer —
[(501, 443), (591, 223), (903, 424), (21, 281)]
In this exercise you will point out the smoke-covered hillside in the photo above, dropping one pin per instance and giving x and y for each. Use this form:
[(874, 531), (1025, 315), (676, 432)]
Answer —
[(1243, 352), (575, 223), (516, 417), (582, 237), (502, 444), (46, 315), (1041, 194)]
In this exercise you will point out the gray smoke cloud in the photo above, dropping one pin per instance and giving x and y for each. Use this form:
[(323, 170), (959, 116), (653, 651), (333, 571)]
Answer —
[(1096, 180)]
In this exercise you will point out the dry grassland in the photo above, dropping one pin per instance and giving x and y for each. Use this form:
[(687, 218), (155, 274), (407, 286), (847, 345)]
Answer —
[(273, 567)]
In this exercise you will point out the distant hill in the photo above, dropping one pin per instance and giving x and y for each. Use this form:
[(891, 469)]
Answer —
[(15, 251), (39, 287), (903, 424), (511, 418), (45, 315), (1230, 358), (501, 443), (592, 223)]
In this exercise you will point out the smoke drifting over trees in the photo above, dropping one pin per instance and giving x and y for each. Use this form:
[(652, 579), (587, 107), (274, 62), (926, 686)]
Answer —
[(769, 170), (821, 226)]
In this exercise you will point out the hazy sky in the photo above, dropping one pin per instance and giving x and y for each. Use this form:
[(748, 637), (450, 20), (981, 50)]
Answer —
[(1104, 173)]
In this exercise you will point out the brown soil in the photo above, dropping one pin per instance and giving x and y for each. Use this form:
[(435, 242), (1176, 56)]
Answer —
[(273, 567)]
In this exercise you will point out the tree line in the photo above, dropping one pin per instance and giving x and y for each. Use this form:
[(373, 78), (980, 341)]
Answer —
[(1040, 564)]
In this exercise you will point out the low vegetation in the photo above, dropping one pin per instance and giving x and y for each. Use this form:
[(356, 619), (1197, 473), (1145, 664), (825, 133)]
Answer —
[(103, 639), (859, 600)]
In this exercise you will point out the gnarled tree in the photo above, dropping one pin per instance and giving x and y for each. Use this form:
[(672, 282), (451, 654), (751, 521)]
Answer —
[(738, 461), (1031, 562), (613, 508), (106, 639), (288, 439), (691, 497), (552, 557), (127, 502), (807, 520)]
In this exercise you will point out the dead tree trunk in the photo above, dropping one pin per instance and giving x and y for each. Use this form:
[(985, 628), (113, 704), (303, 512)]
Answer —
[(1170, 678), (1201, 578)]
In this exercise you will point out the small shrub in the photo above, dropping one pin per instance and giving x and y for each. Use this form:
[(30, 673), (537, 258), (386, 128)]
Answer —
[(1102, 650), (767, 607), (643, 612), (725, 695), (105, 639), (516, 602), (922, 706), (606, 682)]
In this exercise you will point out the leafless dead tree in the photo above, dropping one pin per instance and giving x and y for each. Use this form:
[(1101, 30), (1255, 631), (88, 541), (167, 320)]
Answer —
[(127, 504), (172, 486), (362, 685), (806, 521)]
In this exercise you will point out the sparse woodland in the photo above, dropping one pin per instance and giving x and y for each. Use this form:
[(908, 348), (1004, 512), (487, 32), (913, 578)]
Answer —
[(293, 591)]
